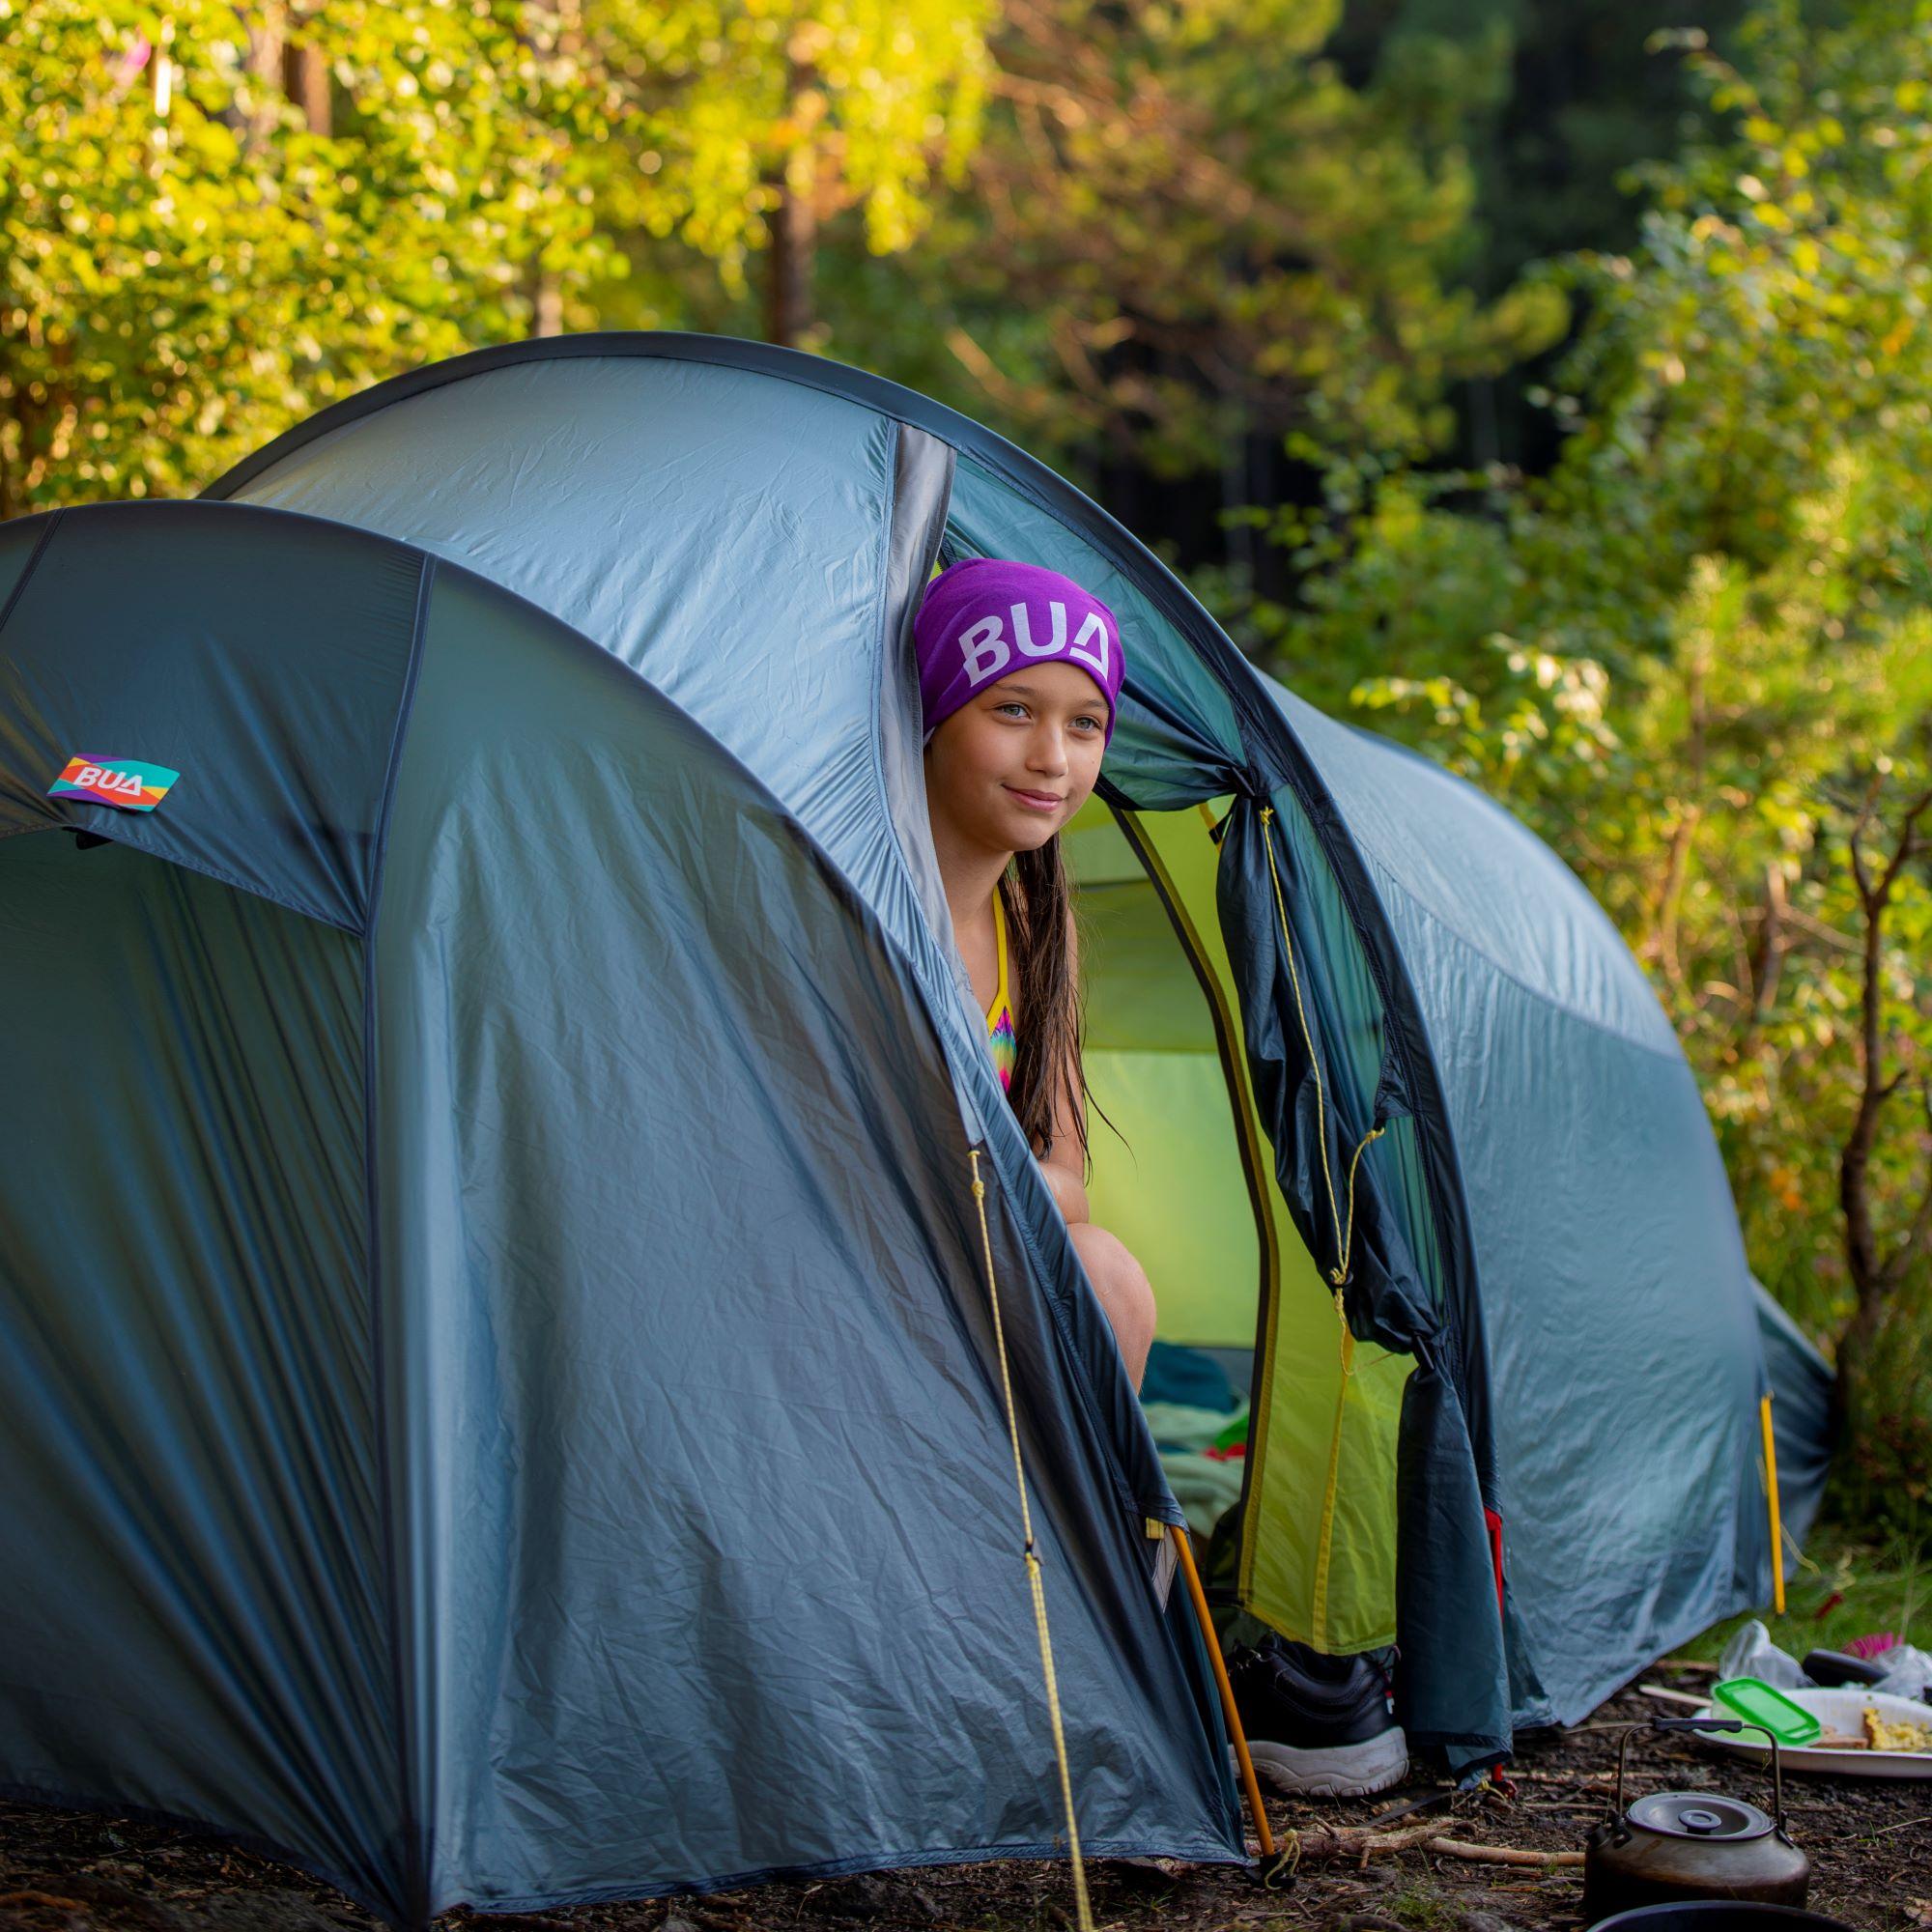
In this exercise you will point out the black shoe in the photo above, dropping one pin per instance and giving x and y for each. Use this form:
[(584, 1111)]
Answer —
[(1317, 1726)]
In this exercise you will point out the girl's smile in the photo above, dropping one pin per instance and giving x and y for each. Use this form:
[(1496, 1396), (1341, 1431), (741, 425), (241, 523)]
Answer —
[(1037, 801)]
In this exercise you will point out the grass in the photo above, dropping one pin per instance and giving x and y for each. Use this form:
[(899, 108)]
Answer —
[(1423, 1910), (1841, 1588)]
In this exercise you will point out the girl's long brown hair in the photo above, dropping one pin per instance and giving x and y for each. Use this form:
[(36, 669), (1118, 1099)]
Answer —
[(1039, 901)]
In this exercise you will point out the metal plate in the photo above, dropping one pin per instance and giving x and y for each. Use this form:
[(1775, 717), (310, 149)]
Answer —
[(1839, 1710)]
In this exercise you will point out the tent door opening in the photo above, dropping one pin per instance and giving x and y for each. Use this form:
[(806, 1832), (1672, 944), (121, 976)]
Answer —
[(1181, 1169), (1185, 1175)]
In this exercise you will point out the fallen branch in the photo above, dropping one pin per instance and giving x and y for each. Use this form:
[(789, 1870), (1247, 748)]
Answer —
[(1885, 1831), (1321, 1843), (1502, 1854), (1664, 1695)]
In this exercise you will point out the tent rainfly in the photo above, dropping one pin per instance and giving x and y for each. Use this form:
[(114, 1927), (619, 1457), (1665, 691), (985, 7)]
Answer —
[(497, 1371)]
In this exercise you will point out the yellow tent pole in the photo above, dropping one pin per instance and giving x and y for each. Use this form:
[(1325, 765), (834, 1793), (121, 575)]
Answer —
[(1770, 1495), (1227, 1690)]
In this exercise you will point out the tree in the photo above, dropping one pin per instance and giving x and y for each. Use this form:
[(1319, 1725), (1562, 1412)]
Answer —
[(1179, 241), (191, 258), (1698, 656), (769, 118)]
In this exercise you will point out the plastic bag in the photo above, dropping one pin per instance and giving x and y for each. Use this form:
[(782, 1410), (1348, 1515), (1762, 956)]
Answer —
[(1750, 1652), (1907, 1672)]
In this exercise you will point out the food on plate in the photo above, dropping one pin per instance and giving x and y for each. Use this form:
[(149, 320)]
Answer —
[(1899, 1734)]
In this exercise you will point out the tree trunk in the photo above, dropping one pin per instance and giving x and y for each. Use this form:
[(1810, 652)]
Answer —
[(788, 273), (305, 77), (267, 43), (1875, 1274), (546, 306), (546, 292)]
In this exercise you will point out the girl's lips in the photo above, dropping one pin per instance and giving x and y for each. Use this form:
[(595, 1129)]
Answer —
[(1036, 801)]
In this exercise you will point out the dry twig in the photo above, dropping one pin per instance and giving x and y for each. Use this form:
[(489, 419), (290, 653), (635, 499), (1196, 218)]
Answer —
[(1502, 1854)]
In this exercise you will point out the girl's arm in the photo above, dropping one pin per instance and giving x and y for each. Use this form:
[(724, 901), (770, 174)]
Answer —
[(1063, 1163)]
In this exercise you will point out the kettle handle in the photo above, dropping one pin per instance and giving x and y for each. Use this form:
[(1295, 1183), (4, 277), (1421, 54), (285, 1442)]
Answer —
[(1706, 1725)]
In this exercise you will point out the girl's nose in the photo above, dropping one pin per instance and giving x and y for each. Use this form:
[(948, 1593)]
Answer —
[(1049, 752)]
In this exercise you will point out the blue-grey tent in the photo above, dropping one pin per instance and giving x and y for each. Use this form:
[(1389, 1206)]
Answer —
[(496, 1365)]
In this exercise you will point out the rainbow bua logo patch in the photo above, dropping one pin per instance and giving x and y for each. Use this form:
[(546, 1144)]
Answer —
[(131, 783)]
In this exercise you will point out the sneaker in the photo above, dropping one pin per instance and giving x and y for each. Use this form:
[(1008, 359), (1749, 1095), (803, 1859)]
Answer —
[(1317, 1726)]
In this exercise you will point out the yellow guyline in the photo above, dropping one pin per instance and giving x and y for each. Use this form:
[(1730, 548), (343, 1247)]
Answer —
[(1083, 1910)]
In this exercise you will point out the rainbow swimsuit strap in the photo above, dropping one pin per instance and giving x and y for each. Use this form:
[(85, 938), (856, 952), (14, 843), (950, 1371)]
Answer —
[(999, 1015)]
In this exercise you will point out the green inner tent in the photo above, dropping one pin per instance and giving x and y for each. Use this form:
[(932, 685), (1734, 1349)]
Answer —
[(1181, 1171)]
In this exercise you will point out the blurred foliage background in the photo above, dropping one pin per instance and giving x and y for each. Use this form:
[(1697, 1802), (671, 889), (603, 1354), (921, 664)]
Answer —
[(1550, 387)]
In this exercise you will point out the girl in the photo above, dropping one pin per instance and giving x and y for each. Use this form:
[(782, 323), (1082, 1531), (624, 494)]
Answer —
[(1019, 671)]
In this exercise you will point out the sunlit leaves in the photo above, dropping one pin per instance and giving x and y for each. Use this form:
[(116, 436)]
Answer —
[(186, 266), (1691, 653)]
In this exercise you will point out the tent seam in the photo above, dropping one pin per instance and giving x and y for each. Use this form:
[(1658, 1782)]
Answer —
[(191, 865), (418, 1853), (1047, 1851), (40, 544)]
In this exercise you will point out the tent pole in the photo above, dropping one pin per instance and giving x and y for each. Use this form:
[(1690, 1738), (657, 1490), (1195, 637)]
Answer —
[(1240, 1738), (1770, 1497)]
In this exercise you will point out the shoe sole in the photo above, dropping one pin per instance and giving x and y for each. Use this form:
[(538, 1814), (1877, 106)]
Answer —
[(1336, 1770)]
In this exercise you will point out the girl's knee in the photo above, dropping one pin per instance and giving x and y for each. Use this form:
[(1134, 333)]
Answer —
[(1125, 1294)]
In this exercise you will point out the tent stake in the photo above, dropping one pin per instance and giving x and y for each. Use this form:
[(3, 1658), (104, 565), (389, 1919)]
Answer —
[(1227, 1690)]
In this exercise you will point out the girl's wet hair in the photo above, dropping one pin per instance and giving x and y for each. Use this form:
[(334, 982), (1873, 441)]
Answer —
[(1039, 899)]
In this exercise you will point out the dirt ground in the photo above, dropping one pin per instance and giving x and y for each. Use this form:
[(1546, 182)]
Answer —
[(1869, 1842)]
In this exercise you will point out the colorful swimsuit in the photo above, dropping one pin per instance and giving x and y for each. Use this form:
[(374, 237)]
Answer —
[(999, 1015)]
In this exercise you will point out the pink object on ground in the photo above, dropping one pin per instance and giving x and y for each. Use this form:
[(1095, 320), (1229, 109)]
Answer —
[(1875, 1645)]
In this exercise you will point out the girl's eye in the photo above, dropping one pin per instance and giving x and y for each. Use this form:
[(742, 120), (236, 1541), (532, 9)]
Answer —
[(1093, 723), (1012, 707)]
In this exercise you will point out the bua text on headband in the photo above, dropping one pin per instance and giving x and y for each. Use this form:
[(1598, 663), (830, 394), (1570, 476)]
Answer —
[(985, 617)]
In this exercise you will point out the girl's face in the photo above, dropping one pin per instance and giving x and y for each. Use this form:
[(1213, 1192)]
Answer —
[(1009, 768)]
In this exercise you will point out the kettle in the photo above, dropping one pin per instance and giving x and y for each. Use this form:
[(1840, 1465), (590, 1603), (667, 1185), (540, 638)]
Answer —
[(1691, 1844)]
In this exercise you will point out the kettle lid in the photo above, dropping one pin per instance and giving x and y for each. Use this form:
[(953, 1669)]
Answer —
[(1699, 1814)]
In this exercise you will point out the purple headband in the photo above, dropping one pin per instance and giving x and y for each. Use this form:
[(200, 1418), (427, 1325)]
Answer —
[(984, 618)]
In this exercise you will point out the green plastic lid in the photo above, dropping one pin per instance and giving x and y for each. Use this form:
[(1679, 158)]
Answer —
[(1788, 1721)]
